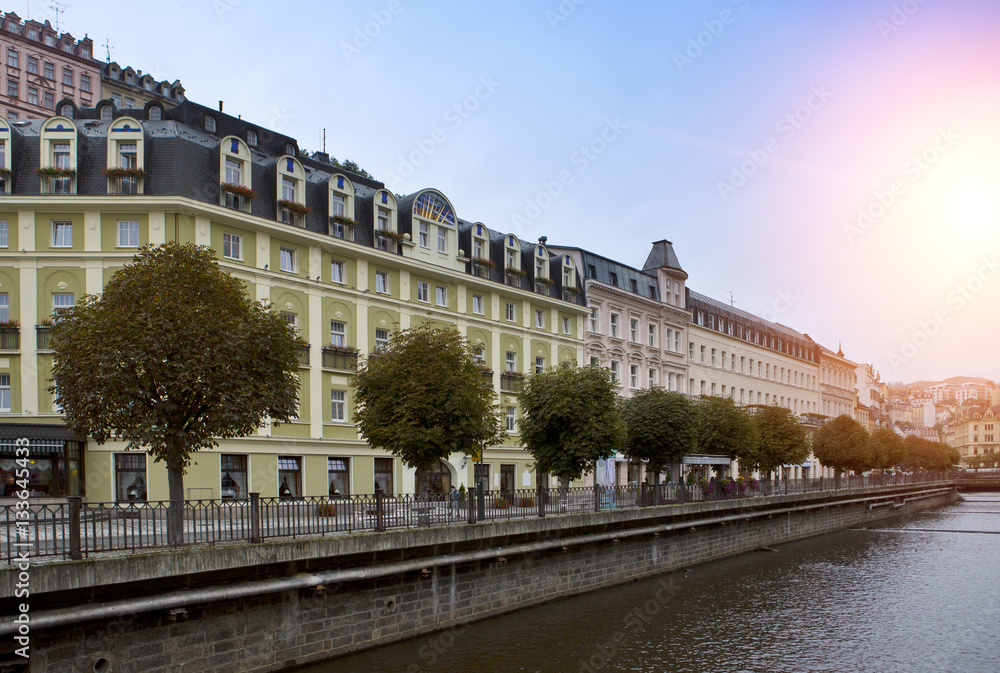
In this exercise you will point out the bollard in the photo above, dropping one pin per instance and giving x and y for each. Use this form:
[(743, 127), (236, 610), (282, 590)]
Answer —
[(481, 499), (74, 528), (597, 497), (379, 510), (255, 518), (540, 501)]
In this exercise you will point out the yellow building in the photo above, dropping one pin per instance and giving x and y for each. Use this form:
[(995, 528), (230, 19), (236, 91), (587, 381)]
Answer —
[(345, 260)]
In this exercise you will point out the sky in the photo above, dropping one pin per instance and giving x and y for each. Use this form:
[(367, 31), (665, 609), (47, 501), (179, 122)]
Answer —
[(831, 165)]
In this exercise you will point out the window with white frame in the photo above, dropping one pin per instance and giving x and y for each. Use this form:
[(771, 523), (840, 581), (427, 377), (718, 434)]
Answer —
[(210, 123), (13, 58), (511, 312), (382, 223), (633, 373), (424, 234), (595, 318), (234, 171), (62, 234), (652, 378), (615, 374), (62, 301), (442, 239), (287, 188), (338, 406), (5, 393), (381, 339), (511, 418), (85, 82), (423, 291), (287, 259), (477, 248), (382, 282), (477, 304), (441, 295), (3, 234), (651, 336), (337, 204), (615, 325), (539, 364), (4, 307), (128, 234), (479, 355), (565, 325), (232, 246), (336, 271), (510, 364), (338, 334), (539, 318), (633, 330)]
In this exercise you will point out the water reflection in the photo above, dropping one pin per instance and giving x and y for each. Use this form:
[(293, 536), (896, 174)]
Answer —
[(892, 599)]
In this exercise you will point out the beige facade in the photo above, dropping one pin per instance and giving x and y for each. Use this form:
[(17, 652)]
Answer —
[(979, 432), (128, 88)]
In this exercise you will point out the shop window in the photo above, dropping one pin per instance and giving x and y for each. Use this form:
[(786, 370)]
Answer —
[(234, 483), (130, 477), (339, 476), (289, 477)]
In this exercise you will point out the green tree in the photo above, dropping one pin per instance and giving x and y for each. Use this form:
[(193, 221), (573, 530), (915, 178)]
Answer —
[(839, 443), (783, 440), (423, 398), (728, 429), (570, 419), (886, 449), (171, 357), (660, 425)]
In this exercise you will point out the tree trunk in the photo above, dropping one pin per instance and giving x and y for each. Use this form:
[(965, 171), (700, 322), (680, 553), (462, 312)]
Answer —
[(563, 488), (175, 512)]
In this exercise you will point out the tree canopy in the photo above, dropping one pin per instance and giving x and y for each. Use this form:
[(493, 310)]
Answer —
[(783, 440), (886, 449), (171, 357), (728, 429), (423, 397), (928, 455), (841, 443), (660, 425), (570, 419)]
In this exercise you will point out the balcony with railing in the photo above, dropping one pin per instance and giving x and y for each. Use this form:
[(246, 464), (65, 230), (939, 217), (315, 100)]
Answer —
[(302, 354), (10, 337), (342, 359), (482, 267), (543, 287), (510, 382), (569, 294), (57, 180), (387, 240), (292, 213), (488, 377), (237, 197), (514, 278), (125, 181), (342, 227), (43, 337)]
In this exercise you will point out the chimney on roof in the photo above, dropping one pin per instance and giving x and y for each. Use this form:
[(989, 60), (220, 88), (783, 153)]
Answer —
[(542, 240), (220, 106)]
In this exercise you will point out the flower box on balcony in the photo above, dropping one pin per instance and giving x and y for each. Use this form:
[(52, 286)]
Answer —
[(4, 173), (343, 219), (118, 173), (47, 172), (239, 190), (516, 272), (483, 261), (391, 235), (295, 207)]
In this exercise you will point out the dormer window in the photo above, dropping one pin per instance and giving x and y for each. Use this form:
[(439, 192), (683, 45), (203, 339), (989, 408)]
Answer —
[(58, 157), (290, 149), (433, 210), (125, 161), (481, 262), (568, 279), (107, 112), (251, 138), (341, 213), (234, 168), (292, 188), (209, 123), (66, 110), (541, 271), (513, 274), (155, 113), (386, 235)]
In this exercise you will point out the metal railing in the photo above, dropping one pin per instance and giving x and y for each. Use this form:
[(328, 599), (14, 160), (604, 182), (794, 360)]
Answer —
[(124, 186), (236, 201), (43, 337), (71, 528), (337, 358), (10, 339)]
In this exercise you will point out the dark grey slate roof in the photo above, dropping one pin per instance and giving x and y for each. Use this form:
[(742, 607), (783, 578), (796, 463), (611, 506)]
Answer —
[(662, 256)]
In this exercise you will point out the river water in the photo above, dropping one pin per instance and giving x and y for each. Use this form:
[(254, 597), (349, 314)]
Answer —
[(913, 595)]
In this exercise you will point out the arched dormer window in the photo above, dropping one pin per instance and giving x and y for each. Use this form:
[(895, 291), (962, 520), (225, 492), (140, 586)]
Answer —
[(234, 169), (66, 110), (107, 111), (513, 273), (5, 157), (568, 279), (541, 270), (434, 218), (251, 138), (341, 193), (155, 113), (292, 207), (386, 231), (125, 166), (481, 262), (210, 124), (58, 156)]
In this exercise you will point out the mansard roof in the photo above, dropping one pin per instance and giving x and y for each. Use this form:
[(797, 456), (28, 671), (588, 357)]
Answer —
[(609, 272), (662, 256)]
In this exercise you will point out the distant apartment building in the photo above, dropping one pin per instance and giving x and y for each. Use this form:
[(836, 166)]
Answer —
[(837, 380), (971, 391), (979, 432), (128, 88), (871, 395), (43, 67), (942, 391)]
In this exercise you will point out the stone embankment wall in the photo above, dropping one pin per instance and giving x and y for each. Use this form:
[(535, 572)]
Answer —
[(271, 606)]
